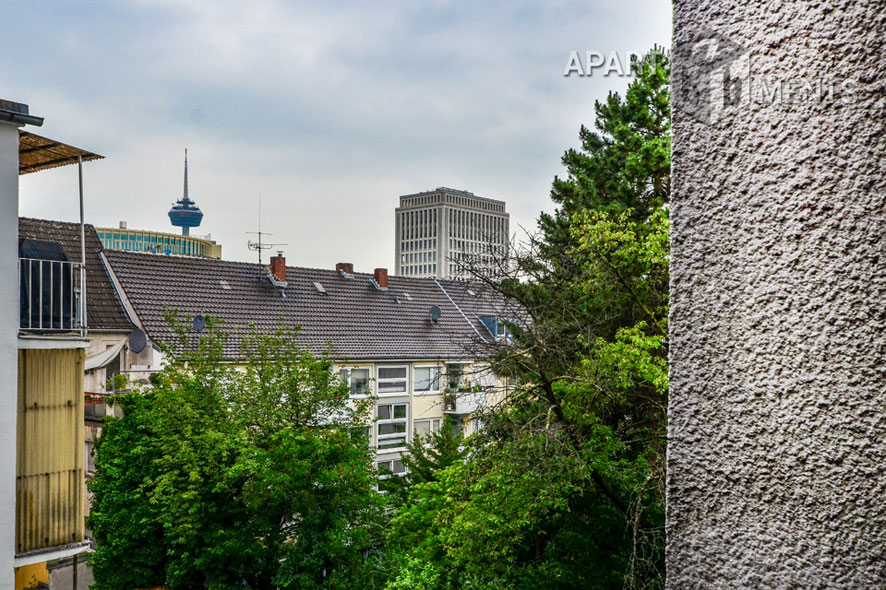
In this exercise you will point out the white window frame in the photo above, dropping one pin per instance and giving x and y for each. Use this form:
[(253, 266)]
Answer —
[(439, 380), (379, 438), (379, 382), (390, 465), (476, 425), (432, 430), (350, 369)]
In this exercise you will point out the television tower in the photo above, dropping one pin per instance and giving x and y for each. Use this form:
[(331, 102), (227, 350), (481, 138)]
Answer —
[(185, 213)]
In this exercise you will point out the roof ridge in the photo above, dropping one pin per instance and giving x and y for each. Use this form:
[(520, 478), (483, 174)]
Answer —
[(452, 301), (42, 220), (427, 281)]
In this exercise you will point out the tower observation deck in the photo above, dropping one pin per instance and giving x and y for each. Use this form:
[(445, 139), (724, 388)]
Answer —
[(185, 213)]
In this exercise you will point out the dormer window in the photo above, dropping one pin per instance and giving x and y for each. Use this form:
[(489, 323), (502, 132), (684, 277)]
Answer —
[(497, 328)]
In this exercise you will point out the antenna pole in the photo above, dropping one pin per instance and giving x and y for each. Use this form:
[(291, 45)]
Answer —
[(185, 197), (259, 249), (260, 245)]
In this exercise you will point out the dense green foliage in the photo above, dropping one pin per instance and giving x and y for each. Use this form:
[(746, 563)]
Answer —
[(564, 488), (225, 478)]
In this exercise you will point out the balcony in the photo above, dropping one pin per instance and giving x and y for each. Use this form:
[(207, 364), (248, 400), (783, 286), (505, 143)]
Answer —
[(51, 292), (463, 402)]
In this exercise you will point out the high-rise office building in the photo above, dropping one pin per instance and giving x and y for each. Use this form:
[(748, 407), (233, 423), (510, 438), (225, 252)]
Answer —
[(450, 234)]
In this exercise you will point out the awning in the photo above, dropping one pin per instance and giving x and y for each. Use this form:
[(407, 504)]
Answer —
[(101, 359), (36, 153)]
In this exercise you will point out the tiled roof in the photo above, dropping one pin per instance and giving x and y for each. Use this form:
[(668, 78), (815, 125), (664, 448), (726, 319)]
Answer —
[(352, 318), (103, 309)]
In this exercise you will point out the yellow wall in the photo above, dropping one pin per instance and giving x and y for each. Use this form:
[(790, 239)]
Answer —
[(213, 250), (427, 406), (28, 576), (49, 449)]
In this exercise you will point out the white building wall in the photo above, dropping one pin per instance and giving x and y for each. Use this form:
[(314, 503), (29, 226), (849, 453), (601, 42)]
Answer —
[(9, 312)]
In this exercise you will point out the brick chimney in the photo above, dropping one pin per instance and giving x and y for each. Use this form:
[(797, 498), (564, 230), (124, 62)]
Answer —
[(345, 267), (278, 267), (381, 277)]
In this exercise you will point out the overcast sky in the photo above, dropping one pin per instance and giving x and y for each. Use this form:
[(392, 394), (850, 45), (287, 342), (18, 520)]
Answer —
[(328, 112)]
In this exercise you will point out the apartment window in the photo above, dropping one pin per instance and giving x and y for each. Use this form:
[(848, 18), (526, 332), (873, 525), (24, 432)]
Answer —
[(391, 426), (476, 425), (391, 380), (426, 379), (425, 428), (394, 466), (357, 378)]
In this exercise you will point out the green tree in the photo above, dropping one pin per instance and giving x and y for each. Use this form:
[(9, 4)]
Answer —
[(565, 486), (424, 458), (624, 164), (225, 478), (414, 559)]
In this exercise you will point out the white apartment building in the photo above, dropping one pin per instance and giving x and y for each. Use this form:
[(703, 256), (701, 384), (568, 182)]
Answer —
[(450, 234)]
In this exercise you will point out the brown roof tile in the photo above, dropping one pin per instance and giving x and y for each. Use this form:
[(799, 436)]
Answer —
[(353, 318)]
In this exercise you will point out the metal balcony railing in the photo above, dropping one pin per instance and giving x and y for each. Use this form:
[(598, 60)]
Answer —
[(51, 296)]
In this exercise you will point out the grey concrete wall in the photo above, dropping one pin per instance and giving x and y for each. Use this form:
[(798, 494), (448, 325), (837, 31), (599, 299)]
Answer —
[(777, 453), (61, 574)]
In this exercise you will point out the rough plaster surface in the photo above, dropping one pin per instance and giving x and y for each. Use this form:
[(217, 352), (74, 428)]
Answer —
[(777, 453)]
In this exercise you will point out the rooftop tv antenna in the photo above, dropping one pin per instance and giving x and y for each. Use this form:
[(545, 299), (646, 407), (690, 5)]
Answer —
[(260, 245)]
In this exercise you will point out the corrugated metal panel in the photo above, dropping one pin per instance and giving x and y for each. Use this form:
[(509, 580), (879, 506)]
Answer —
[(49, 457)]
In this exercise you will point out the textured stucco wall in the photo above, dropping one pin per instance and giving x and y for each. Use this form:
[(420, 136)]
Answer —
[(777, 456)]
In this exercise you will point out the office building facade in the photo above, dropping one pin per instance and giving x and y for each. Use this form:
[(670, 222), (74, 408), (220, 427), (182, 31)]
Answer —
[(140, 240), (450, 234)]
